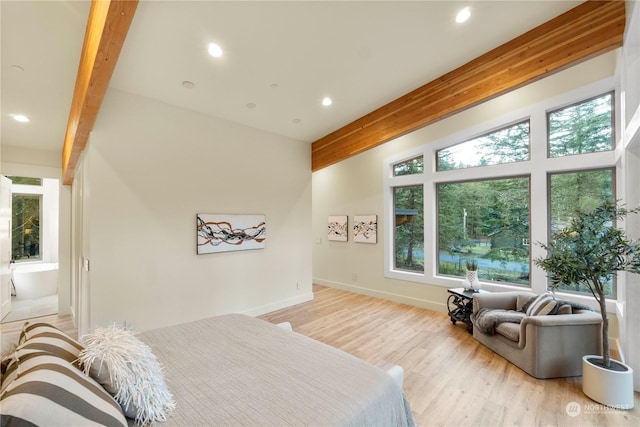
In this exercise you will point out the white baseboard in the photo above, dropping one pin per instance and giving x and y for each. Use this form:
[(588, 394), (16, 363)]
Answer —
[(440, 306), (268, 308)]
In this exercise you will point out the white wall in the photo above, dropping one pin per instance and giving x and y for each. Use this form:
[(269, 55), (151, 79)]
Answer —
[(629, 310), (149, 168), (354, 187)]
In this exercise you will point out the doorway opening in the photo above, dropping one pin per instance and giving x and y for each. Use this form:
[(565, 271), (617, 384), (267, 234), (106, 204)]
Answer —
[(31, 278)]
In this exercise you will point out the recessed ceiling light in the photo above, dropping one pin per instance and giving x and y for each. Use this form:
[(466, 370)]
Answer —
[(215, 50), (463, 15), (20, 118), (327, 101), (189, 85)]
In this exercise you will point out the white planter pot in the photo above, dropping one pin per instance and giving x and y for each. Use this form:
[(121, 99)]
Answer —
[(609, 387)]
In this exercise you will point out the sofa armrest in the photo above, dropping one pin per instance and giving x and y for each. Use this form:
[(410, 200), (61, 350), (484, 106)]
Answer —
[(580, 317)]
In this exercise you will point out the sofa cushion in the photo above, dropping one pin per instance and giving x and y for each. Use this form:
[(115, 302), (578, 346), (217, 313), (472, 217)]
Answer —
[(521, 300), (509, 330), (487, 320)]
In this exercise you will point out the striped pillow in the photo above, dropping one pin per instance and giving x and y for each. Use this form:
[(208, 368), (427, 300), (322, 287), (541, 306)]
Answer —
[(41, 337), (542, 305), (51, 391), (45, 337)]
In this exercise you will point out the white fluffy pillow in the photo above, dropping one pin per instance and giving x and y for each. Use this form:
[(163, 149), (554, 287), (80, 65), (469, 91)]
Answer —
[(126, 368)]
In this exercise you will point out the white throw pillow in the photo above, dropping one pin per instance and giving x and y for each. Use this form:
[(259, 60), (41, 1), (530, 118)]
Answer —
[(126, 368)]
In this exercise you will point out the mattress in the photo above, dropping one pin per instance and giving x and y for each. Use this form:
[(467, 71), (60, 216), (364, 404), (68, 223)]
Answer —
[(234, 370)]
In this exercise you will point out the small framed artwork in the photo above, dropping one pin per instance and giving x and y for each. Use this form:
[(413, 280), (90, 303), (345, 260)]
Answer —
[(337, 228), (224, 233), (365, 228)]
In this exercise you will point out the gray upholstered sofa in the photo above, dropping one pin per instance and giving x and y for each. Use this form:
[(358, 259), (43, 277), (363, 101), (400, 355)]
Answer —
[(546, 346)]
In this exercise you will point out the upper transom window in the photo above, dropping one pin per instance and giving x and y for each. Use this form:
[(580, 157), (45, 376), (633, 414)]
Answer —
[(586, 127), (409, 167), (507, 145)]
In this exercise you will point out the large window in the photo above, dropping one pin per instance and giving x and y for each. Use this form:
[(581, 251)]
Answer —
[(409, 228), (26, 218), (486, 222), (492, 198), (408, 207), (582, 190), (25, 231)]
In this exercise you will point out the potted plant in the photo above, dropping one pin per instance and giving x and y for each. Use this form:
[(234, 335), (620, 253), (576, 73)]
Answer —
[(589, 252)]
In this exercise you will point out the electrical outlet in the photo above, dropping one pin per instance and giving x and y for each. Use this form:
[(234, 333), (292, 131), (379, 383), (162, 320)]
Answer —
[(298, 285), (354, 277)]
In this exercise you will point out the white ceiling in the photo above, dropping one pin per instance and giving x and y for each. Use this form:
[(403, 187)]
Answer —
[(45, 39), (280, 57)]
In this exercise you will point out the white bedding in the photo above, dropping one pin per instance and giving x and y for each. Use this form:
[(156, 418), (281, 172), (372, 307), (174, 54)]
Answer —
[(235, 370)]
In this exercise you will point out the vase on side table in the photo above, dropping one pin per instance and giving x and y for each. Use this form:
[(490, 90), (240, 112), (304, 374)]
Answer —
[(471, 280)]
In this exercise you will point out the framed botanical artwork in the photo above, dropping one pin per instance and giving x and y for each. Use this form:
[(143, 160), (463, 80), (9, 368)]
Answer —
[(337, 228), (224, 233), (365, 228)]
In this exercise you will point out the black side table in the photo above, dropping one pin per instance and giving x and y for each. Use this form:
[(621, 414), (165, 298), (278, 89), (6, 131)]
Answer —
[(460, 305)]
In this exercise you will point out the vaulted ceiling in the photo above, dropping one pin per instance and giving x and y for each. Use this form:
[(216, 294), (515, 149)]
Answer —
[(280, 59)]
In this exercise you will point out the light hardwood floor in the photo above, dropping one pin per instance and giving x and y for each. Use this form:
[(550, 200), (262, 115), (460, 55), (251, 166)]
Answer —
[(10, 331), (450, 379)]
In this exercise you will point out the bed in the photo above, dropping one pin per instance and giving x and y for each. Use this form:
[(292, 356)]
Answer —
[(234, 370)]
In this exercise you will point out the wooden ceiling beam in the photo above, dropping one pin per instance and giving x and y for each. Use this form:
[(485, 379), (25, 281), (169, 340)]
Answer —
[(107, 28), (586, 31)]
